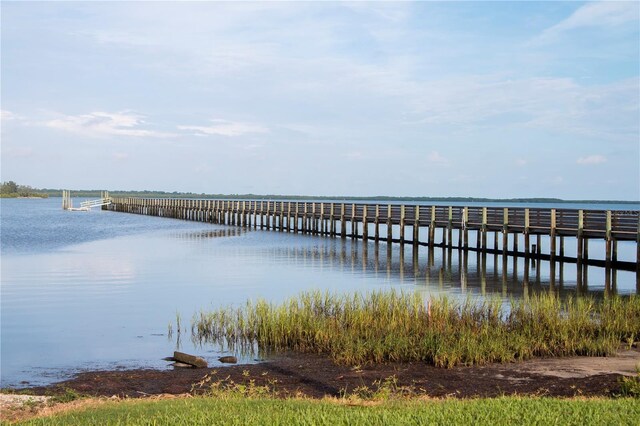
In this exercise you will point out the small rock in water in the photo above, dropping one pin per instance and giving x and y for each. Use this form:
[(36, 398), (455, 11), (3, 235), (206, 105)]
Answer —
[(179, 364), (169, 358), (196, 361), (228, 359)]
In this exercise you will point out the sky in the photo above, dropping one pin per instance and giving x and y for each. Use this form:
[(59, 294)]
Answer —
[(435, 99)]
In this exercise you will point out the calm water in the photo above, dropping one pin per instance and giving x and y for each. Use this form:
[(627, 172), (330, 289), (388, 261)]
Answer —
[(97, 290)]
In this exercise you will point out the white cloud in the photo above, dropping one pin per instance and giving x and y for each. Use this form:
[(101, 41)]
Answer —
[(607, 111), (521, 162), (21, 152), (120, 156), (8, 115), (355, 155), (556, 180), (592, 159), (597, 14), (225, 128), (99, 124), (435, 158)]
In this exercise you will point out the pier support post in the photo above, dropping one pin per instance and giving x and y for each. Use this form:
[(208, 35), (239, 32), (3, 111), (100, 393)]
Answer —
[(527, 246), (402, 217), (505, 231), (580, 249), (365, 227), (637, 257), (389, 225), (450, 227), (281, 224), (416, 227), (552, 236), (432, 227), (332, 219), (314, 222), (465, 230), (354, 223), (607, 237), (377, 226), (484, 228), (305, 213)]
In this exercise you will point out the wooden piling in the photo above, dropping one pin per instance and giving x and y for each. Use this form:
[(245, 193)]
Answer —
[(354, 223), (365, 227), (607, 237), (450, 227), (377, 224), (432, 227), (552, 236), (332, 219), (580, 249), (505, 231), (402, 217), (526, 233), (464, 225), (416, 228), (484, 228), (389, 225)]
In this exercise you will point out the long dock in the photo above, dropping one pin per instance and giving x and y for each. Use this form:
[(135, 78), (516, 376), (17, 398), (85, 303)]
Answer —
[(464, 228)]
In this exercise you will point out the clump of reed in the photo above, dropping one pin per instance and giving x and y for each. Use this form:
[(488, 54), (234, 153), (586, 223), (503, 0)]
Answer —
[(383, 326)]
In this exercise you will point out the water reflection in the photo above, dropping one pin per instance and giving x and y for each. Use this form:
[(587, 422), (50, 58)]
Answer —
[(203, 235), (451, 270)]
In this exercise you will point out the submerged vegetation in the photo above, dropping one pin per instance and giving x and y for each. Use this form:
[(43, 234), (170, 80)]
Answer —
[(395, 326)]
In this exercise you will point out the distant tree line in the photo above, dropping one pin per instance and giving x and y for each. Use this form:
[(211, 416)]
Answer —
[(10, 189)]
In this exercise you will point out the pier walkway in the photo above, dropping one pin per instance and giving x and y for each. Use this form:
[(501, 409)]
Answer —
[(465, 228)]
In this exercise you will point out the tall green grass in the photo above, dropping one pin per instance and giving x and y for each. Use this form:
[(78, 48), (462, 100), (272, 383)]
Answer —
[(385, 326), (266, 411)]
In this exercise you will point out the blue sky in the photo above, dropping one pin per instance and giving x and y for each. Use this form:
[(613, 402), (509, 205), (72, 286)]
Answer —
[(485, 99)]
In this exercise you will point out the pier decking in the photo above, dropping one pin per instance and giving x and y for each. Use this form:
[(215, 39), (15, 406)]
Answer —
[(465, 228)]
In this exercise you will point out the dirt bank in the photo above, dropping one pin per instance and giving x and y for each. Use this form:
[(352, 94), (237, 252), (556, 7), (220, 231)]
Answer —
[(317, 376)]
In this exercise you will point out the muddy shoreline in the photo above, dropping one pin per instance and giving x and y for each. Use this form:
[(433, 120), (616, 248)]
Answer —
[(316, 376)]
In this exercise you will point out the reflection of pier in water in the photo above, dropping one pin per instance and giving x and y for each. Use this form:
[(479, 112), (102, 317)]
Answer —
[(516, 226), (446, 269), (205, 235), (518, 233)]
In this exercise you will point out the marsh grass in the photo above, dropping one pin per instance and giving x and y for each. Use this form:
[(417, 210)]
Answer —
[(384, 326), (629, 386)]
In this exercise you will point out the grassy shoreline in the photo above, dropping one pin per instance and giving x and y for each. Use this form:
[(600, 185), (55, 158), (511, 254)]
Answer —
[(380, 327), (31, 195), (237, 411)]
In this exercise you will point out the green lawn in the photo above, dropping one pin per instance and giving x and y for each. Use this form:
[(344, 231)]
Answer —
[(265, 411)]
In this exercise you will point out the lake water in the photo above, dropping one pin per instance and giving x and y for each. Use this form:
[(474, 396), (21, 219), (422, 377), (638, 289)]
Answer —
[(97, 290)]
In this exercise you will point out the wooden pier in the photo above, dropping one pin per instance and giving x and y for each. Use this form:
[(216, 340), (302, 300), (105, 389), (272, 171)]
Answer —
[(464, 228)]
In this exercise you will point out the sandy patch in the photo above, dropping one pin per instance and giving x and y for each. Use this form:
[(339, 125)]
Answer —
[(626, 363)]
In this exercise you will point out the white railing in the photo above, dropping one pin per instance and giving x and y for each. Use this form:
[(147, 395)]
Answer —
[(96, 203)]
